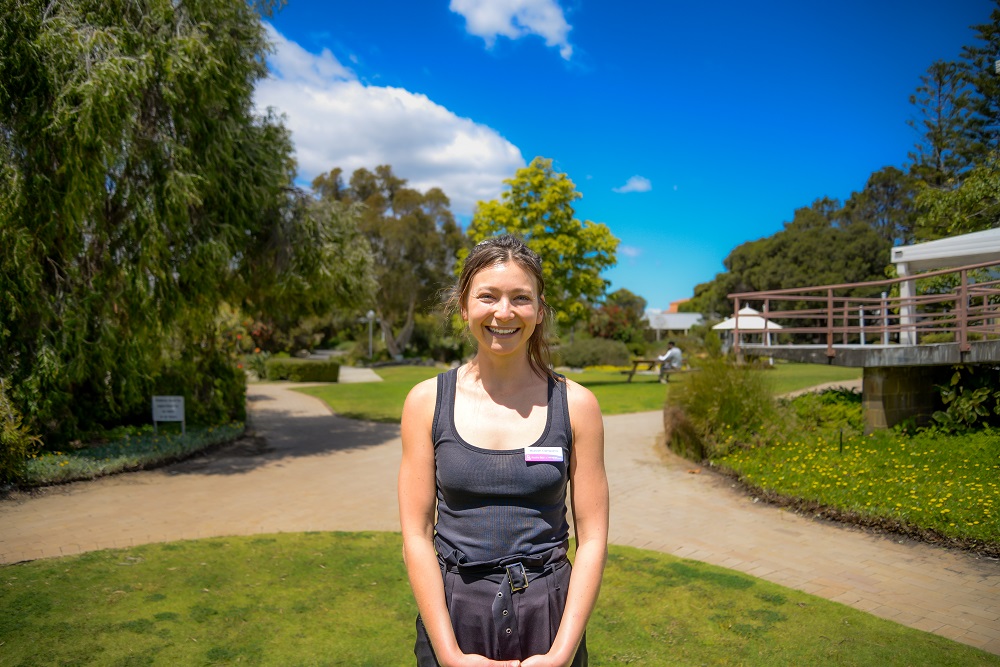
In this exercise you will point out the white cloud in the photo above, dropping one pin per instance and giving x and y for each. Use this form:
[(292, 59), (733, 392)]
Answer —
[(635, 184), (629, 251), (337, 121), (490, 19)]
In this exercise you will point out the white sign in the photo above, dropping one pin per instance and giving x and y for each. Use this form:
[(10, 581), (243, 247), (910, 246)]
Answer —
[(168, 409)]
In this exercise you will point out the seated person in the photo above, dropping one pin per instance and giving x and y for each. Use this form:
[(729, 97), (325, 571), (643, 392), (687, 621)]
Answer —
[(671, 360)]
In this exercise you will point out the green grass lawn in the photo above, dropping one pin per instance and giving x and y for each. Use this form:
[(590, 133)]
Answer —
[(383, 401), (343, 599), (786, 377)]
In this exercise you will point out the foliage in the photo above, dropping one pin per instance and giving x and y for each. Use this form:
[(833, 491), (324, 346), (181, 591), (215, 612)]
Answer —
[(620, 318), (592, 352), (271, 600), (942, 102), (886, 204), (926, 481), (538, 207), (137, 181), (17, 443), (728, 405), (971, 399), (302, 370), (257, 362), (974, 206), (818, 247), (978, 69), (413, 238), (312, 260), (125, 450), (204, 365)]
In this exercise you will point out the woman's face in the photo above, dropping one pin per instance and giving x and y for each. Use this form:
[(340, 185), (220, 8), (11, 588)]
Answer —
[(502, 308)]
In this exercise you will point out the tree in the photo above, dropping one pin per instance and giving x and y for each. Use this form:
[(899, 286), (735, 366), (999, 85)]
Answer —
[(974, 206), (978, 69), (137, 181), (313, 261), (817, 247), (413, 239), (619, 317), (886, 204), (538, 207), (945, 149)]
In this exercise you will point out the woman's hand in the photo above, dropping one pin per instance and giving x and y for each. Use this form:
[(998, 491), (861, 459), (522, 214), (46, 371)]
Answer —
[(476, 660), (545, 660)]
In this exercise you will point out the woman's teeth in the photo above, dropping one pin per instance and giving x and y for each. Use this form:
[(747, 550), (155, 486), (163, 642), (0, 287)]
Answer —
[(500, 332)]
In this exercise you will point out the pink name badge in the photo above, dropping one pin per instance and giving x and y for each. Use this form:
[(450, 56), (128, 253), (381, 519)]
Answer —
[(543, 454)]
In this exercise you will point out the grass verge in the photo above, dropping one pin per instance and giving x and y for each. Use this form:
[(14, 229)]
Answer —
[(130, 451), (343, 599), (937, 487)]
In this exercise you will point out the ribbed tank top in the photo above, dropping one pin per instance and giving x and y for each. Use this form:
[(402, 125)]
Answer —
[(493, 504)]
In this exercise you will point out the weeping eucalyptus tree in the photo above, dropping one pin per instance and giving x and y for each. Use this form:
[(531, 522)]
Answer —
[(141, 194)]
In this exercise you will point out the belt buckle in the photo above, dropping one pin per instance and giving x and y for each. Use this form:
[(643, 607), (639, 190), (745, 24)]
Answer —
[(516, 572)]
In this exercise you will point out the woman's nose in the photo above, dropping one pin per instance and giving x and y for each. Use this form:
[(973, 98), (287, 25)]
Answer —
[(504, 309)]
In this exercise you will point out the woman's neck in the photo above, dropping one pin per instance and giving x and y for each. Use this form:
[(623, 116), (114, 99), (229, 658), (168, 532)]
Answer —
[(500, 374)]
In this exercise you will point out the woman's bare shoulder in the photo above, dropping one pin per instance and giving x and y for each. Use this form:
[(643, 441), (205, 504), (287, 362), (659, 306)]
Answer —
[(423, 393), (580, 398)]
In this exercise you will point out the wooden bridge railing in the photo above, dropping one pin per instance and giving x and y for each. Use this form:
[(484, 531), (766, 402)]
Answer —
[(956, 305)]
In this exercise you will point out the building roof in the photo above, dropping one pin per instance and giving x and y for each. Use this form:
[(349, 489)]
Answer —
[(974, 248), (665, 321)]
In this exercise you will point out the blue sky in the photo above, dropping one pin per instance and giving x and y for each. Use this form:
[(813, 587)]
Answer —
[(688, 127)]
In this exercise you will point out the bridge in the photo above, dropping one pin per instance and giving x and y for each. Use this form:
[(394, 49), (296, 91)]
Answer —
[(906, 333)]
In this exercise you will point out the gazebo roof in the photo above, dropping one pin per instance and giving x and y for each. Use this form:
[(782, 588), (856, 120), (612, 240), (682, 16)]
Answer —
[(974, 248)]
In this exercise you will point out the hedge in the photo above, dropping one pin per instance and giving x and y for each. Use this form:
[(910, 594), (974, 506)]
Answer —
[(302, 370)]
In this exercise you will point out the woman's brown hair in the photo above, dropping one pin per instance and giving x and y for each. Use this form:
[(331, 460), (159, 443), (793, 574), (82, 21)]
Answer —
[(501, 250)]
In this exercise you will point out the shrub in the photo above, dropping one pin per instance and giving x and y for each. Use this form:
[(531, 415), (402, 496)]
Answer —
[(17, 443), (727, 405), (257, 362), (592, 352), (972, 401), (302, 370), (214, 388)]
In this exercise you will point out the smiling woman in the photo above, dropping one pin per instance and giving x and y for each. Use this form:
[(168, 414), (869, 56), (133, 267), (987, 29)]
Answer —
[(490, 449)]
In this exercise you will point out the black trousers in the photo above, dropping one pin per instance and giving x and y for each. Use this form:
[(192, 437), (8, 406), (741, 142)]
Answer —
[(492, 620)]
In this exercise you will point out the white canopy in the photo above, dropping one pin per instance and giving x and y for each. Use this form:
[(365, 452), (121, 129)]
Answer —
[(750, 320)]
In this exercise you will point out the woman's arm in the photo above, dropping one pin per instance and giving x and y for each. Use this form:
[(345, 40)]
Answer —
[(417, 496), (590, 506)]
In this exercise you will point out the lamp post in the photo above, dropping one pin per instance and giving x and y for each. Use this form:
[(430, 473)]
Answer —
[(371, 320)]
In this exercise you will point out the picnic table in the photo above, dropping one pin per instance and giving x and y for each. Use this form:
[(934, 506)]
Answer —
[(650, 364)]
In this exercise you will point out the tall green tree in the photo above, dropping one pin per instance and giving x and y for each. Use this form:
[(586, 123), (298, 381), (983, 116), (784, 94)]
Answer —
[(945, 149), (136, 179), (978, 69), (413, 239), (312, 261), (886, 204), (538, 207), (817, 247)]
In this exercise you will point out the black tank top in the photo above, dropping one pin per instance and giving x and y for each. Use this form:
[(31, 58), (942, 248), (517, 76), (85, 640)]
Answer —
[(493, 504)]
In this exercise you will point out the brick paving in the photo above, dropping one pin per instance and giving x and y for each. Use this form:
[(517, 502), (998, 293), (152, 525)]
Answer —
[(311, 470)]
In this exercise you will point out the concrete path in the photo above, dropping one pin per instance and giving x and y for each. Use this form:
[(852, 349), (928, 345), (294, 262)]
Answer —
[(310, 470)]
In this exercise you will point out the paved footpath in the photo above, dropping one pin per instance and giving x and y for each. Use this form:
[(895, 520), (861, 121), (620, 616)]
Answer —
[(310, 470)]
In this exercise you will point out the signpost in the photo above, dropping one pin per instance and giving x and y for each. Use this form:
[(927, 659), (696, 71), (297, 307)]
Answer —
[(169, 409)]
